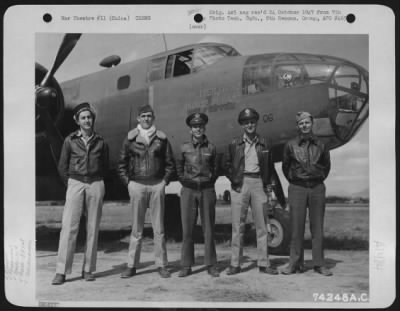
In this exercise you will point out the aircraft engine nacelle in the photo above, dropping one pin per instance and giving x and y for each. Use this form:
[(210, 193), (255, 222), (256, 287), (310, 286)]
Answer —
[(50, 98)]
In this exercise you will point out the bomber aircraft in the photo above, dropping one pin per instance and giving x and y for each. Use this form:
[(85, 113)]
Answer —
[(205, 77)]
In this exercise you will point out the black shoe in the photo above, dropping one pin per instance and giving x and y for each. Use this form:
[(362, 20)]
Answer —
[(300, 269), (291, 270), (233, 270), (323, 270), (128, 272), (185, 272), (163, 272), (59, 279), (88, 276), (268, 270), (212, 270)]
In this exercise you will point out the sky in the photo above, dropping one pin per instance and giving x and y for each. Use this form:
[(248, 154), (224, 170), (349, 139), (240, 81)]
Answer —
[(350, 163)]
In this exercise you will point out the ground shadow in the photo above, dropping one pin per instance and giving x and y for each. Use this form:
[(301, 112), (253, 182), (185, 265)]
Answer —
[(118, 240), (308, 264)]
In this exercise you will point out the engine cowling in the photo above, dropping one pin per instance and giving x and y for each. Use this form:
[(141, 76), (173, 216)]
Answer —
[(49, 97)]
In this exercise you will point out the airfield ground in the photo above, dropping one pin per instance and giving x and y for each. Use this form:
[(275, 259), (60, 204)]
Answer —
[(346, 245)]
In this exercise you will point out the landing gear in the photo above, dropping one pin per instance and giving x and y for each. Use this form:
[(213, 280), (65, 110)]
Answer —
[(279, 237)]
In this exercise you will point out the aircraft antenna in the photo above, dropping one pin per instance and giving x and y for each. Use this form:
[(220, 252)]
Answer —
[(165, 41)]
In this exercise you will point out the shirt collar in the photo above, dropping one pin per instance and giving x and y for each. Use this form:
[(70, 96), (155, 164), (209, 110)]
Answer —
[(79, 134), (304, 138), (246, 139), (202, 142)]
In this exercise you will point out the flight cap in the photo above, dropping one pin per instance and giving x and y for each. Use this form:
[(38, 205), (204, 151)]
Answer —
[(196, 119), (301, 115), (248, 114), (83, 107), (144, 109)]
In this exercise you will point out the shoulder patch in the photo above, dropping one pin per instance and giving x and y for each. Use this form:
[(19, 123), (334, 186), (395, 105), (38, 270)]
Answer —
[(133, 133), (161, 135)]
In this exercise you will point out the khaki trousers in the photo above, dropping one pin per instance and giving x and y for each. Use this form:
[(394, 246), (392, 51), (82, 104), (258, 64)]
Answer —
[(252, 193), (143, 196), (80, 197)]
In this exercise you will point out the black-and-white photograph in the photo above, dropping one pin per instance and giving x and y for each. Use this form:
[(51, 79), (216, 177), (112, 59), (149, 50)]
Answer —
[(203, 101), (203, 169)]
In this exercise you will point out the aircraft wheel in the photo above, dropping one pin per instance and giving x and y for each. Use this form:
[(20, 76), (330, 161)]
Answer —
[(279, 238), (172, 217)]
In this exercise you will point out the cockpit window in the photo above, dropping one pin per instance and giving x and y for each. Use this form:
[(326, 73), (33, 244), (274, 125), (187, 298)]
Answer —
[(350, 99), (318, 73), (309, 58), (156, 69), (207, 55), (345, 75), (257, 79), (179, 64), (228, 50), (288, 76)]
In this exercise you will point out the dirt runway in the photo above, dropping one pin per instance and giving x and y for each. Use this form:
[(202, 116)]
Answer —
[(350, 279)]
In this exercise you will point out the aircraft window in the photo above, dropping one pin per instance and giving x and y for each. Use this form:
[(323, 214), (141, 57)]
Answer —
[(156, 69), (284, 57), (257, 79), (318, 73), (345, 76), (170, 66), (207, 55), (229, 51), (179, 64), (123, 82), (350, 102), (351, 79), (288, 76), (308, 58)]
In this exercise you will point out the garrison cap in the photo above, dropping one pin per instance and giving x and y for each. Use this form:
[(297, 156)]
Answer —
[(144, 109), (196, 118), (248, 114), (301, 115), (83, 107)]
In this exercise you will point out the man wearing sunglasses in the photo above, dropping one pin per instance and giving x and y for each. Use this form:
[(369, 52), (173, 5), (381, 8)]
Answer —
[(248, 164)]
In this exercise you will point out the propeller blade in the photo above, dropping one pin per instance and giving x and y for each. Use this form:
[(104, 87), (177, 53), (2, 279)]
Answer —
[(67, 45)]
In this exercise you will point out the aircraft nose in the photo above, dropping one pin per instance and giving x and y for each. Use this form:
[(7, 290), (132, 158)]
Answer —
[(348, 100), (334, 89)]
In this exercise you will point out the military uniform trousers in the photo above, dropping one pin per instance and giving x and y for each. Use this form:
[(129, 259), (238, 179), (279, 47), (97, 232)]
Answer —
[(252, 193), (80, 196), (203, 200), (142, 196), (299, 199)]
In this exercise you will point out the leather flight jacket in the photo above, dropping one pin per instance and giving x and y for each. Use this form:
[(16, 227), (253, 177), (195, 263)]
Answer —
[(234, 161), (197, 165), (86, 164), (140, 161), (306, 161)]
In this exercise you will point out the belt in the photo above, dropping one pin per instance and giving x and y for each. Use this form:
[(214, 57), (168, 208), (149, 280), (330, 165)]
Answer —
[(197, 185), (307, 184), (252, 175)]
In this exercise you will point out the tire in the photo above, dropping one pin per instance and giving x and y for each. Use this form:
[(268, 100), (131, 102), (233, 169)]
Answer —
[(279, 240), (172, 218)]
